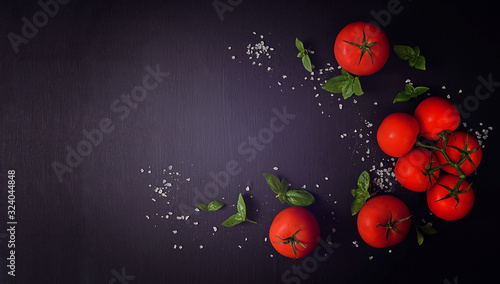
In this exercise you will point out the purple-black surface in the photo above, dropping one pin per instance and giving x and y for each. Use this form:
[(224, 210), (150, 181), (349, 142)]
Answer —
[(198, 114)]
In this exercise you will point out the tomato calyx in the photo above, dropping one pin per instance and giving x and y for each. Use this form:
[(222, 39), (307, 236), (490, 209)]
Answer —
[(364, 47), (454, 192), (292, 240), (390, 225), (464, 156)]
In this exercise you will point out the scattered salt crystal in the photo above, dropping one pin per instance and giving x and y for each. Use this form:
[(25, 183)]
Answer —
[(174, 231), (233, 57), (275, 168), (201, 246), (214, 228)]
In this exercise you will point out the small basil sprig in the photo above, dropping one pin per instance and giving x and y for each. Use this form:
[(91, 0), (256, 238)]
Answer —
[(212, 206), (344, 84), (412, 55), (409, 92), (295, 197), (239, 217), (304, 54), (421, 230), (361, 193)]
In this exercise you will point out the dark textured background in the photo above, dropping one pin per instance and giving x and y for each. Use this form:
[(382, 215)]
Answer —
[(92, 226)]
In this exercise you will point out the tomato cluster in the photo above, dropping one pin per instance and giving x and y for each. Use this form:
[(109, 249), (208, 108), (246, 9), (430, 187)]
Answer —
[(439, 168), (438, 165)]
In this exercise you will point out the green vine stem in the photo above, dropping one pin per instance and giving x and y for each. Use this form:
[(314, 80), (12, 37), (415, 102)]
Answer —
[(464, 156)]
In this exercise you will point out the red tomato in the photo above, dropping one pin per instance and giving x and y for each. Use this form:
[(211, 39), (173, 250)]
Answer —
[(457, 139), (397, 134), (294, 227), (384, 221), (448, 208), (436, 114), (361, 48), (411, 167)]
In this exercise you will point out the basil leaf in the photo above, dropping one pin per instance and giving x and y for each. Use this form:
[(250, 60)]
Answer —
[(402, 97), (273, 182), (334, 85), (358, 203), (215, 205), (420, 238), (299, 197), (428, 230), (240, 206), (409, 89), (306, 61), (420, 63), (419, 90), (416, 49), (301, 54), (357, 87), (299, 44), (283, 185), (364, 181), (361, 193), (202, 206), (347, 89), (404, 52), (234, 220), (239, 217)]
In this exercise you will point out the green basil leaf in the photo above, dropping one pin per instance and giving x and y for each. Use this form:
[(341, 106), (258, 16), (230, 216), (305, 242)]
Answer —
[(282, 197), (233, 220), (202, 206), (412, 61), (299, 197), (358, 203), (420, 238), (345, 73), (306, 61), (215, 205), (240, 206), (404, 52), (334, 85), (273, 182), (301, 54), (409, 89), (402, 97), (420, 63), (356, 87), (347, 89), (428, 230), (416, 49), (419, 90), (299, 44), (283, 185), (364, 181), (360, 194)]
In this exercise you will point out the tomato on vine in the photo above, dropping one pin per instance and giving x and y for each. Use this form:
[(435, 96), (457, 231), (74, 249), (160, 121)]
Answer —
[(450, 198), (414, 171), (436, 114), (461, 148), (397, 134)]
